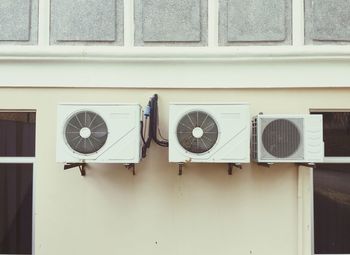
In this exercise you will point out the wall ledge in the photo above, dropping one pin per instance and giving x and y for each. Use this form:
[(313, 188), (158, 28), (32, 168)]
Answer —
[(181, 67), (175, 53)]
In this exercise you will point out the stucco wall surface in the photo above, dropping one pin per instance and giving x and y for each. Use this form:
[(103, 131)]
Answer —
[(205, 211)]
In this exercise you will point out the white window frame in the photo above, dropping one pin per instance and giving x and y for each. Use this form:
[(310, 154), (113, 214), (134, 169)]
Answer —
[(327, 160), (23, 160), (333, 160)]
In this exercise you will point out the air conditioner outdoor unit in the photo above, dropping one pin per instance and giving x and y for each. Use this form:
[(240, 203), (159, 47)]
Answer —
[(209, 133), (287, 138), (98, 133)]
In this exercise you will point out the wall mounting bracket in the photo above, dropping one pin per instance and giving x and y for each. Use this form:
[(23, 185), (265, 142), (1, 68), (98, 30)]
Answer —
[(131, 166), (181, 165), (73, 165), (230, 167)]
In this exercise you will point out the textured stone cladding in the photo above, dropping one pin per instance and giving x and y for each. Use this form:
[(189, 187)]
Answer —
[(171, 22), (255, 22), (327, 21), (87, 21), (18, 21)]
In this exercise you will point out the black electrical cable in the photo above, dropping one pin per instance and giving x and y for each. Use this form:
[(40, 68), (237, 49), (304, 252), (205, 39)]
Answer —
[(153, 129), (143, 138), (154, 120)]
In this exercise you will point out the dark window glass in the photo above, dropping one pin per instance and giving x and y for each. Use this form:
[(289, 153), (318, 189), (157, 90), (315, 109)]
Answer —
[(332, 208), (16, 207), (336, 133), (17, 134)]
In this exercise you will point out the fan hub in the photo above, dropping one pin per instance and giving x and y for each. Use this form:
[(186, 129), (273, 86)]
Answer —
[(197, 132), (85, 132)]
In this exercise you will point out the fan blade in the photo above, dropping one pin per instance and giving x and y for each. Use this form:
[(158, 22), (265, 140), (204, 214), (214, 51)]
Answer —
[(206, 117), (81, 125), (93, 119), (77, 144), (192, 123), (99, 134), (70, 124), (98, 125)]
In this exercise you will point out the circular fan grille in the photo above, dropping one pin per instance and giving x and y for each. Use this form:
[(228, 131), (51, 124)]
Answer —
[(197, 132), (281, 138), (86, 132)]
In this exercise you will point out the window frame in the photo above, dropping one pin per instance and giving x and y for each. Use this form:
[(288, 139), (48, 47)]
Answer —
[(24, 160), (332, 160), (327, 160)]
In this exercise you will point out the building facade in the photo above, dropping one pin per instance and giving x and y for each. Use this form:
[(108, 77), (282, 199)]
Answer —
[(279, 56)]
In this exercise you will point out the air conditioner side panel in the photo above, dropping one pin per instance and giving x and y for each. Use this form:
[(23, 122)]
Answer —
[(174, 155), (235, 135), (313, 133)]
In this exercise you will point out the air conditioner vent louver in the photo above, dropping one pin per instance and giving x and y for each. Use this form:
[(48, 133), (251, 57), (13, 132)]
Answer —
[(281, 138), (197, 132), (86, 132)]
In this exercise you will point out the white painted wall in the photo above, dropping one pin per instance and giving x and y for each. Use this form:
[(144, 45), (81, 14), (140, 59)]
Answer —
[(257, 210)]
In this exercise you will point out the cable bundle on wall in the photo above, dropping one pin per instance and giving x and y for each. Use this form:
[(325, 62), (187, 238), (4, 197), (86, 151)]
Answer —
[(151, 118)]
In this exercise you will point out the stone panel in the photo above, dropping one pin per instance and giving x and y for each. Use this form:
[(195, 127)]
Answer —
[(89, 21), (18, 21), (170, 22), (255, 22), (327, 21)]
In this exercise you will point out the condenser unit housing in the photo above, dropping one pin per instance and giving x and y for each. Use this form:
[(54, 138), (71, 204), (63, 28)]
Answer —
[(98, 133), (287, 138), (211, 132)]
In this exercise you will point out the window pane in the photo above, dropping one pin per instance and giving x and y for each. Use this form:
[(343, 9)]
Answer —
[(17, 134), (332, 208), (336, 133), (16, 207)]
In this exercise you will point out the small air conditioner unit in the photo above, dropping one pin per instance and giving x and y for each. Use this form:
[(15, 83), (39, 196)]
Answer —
[(98, 133), (209, 133), (287, 138)]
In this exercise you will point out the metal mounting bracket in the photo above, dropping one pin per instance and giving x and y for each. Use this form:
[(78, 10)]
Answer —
[(230, 167), (73, 165), (181, 165), (131, 166)]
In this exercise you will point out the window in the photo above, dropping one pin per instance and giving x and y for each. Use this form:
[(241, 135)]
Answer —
[(331, 183), (17, 151), (332, 209), (336, 135)]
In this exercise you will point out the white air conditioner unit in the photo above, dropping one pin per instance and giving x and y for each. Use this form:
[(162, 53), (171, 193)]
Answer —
[(287, 138), (98, 133), (209, 133)]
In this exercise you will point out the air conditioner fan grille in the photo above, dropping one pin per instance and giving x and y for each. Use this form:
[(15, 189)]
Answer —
[(281, 138), (197, 132), (86, 132)]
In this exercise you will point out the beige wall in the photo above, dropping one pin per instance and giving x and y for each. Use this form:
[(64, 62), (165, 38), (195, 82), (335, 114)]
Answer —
[(205, 211)]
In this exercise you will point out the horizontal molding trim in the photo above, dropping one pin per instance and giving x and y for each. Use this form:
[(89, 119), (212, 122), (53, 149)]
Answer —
[(242, 67)]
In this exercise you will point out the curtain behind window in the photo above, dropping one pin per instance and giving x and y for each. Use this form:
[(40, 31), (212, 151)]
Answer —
[(17, 134), (16, 199), (17, 138)]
